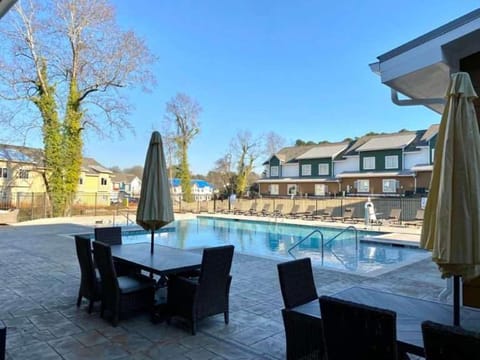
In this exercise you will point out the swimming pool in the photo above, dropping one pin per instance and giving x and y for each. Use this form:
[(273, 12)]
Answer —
[(273, 240)]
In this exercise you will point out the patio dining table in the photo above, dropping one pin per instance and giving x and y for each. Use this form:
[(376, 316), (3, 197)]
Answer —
[(164, 261), (411, 312)]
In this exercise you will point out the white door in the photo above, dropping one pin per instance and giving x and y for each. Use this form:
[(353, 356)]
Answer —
[(320, 189)]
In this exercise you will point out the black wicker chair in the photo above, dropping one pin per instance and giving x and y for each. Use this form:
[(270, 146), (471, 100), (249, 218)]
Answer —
[(3, 341), (296, 282), (357, 331), (90, 287), (197, 298), (443, 342), (121, 293), (113, 236), (303, 334)]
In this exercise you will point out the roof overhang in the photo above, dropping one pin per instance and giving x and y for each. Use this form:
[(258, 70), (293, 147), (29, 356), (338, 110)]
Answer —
[(421, 68), (296, 180), (374, 174), (5, 5)]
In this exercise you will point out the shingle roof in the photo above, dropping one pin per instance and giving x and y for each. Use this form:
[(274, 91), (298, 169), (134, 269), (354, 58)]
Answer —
[(324, 151), (290, 153), (431, 132), (20, 154), (122, 177), (390, 141), (91, 166), (200, 183)]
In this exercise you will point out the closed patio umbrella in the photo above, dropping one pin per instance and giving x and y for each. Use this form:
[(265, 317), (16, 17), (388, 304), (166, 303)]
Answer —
[(451, 226), (155, 205)]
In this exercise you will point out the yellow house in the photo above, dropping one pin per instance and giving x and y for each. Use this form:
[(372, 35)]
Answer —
[(95, 184), (22, 179), (21, 172)]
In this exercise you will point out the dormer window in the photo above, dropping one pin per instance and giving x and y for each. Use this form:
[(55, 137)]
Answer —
[(369, 163), (391, 162), (273, 170)]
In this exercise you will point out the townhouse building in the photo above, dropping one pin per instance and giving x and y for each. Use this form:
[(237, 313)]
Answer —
[(125, 186), (201, 190), (395, 164)]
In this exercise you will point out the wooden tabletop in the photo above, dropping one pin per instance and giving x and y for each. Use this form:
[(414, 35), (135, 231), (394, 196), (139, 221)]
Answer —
[(165, 260), (411, 312)]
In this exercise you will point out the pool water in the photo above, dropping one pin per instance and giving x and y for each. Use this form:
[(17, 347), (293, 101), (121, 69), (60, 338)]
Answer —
[(273, 240)]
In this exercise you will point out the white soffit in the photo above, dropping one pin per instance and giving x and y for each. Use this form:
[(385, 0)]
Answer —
[(420, 69)]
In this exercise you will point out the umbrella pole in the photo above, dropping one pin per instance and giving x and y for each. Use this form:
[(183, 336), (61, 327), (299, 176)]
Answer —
[(151, 242), (456, 300)]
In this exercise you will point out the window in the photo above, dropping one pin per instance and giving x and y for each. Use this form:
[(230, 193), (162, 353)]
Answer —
[(306, 170), (363, 186), (103, 181), (323, 169), (273, 170), (80, 181), (320, 189), (292, 189), (390, 186), (22, 174), (369, 163), (3, 172), (273, 189), (391, 162), (433, 155)]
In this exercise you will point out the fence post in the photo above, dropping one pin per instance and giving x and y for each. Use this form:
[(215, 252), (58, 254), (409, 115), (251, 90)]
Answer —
[(95, 206), (32, 206)]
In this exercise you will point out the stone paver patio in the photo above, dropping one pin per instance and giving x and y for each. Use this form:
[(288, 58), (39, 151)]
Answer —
[(39, 279)]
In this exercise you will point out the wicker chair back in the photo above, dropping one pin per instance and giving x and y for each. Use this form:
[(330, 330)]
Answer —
[(296, 282)]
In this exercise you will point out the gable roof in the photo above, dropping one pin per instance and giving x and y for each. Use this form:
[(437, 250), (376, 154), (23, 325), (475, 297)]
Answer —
[(92, 166), (431, 132), (389, 141), (290, 153), (21, 154), (323, 151), (198, 182), (122, 177)]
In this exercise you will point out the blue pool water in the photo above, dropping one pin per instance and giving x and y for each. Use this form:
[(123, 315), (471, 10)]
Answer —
[(273, 240)]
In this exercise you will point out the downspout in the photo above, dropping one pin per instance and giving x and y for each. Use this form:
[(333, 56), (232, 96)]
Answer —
[(410, 102)]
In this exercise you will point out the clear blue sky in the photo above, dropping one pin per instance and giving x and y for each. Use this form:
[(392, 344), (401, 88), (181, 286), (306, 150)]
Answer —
[(299, 68)]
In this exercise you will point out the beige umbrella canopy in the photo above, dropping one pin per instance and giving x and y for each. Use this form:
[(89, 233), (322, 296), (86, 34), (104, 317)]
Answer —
[(451, 226), (155, 205)]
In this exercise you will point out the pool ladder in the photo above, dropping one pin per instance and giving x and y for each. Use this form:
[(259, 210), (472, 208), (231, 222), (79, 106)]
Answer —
[(317, 231)]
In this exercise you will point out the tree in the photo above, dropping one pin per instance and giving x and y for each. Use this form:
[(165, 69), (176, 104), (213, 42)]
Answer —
[(136, 170), (182, 112), (273, 143), (247, 149), (67, 61)]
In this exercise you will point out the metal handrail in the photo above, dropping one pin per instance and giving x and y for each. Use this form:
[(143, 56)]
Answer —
[(351, 227), (305, 238)]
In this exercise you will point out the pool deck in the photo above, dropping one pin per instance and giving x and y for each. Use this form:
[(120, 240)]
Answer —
[(39, 278)]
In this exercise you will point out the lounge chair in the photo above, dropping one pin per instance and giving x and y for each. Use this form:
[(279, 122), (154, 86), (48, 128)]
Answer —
[(293, 211), (357, 331), (249, 211), (309, 213), (278, 211), (444, 342), (394, 217), (349, 214), (265, 210), (418, 218), (326, 214)]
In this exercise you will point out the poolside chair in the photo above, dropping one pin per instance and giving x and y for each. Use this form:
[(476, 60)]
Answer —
[(278, 211), (196, 298), (357, 331), (394, 217), (265, 210), (121, 293), (418, 218), (309, 213), (90, 285), (113, 236), (444, 342), (326, 214), (348, 214), (252, 210), (293, 213), (303, 334)]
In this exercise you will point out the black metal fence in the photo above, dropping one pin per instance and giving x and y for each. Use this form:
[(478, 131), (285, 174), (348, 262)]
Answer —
[(36, 205)]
